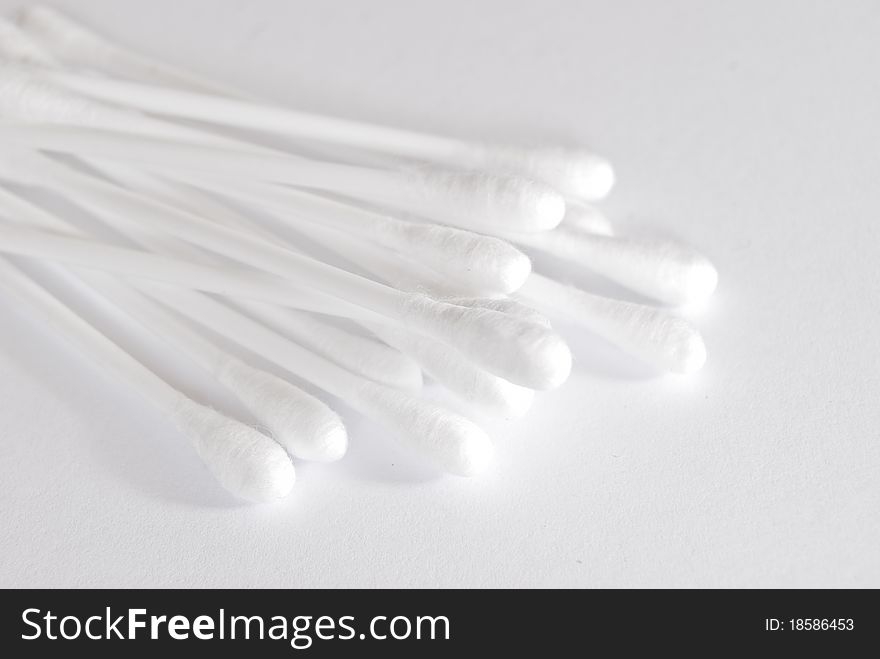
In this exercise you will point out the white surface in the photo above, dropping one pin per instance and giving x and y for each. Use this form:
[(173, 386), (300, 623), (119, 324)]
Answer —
[(748, 129)]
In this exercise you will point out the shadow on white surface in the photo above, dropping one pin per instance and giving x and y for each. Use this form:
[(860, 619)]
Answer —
[(160, 463), (373, 454)]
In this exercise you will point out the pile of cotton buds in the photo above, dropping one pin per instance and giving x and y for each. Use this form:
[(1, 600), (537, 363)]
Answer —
[(358, 273)]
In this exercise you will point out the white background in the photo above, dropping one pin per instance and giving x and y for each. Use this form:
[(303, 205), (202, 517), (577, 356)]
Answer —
[(749, 129)]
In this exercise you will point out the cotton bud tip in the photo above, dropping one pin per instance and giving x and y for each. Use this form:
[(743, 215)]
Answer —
[(691, 354), (591, 177), (522, 351), (574, 172), (449, 441), (301, 423), (490, 201), (582, 217), (246, 462)]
